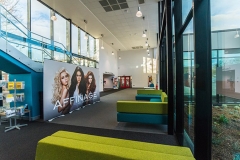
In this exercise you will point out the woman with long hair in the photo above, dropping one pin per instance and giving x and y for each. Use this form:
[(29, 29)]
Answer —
[(77, 88), (90, 86), (61, 90)]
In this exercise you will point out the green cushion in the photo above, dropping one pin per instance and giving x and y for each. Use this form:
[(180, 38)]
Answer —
[(164, 97), (142, 107), (146, 91), (60, 148)]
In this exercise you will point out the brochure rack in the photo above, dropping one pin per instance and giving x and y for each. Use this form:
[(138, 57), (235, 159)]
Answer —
[(11, 113)]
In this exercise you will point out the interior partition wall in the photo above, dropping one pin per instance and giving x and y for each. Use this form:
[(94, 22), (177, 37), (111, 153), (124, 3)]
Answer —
[(193, 114)]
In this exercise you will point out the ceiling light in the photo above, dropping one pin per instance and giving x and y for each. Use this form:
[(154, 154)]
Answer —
[(146, 44), (237, 35), (144, 34), (53, 17), (112, 53), (119, 57), (136, 66), (147, 49), (148, 54), (139, 13)]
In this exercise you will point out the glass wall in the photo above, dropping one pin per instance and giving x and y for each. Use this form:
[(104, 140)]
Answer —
[(186, 7), (226, 79), (75, 39), (44, 32), (83, 43), (40, 26), (188, 81)]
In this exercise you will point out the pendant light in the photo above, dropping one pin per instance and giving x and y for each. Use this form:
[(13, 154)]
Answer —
[(139, 13), (112, 53), (53, 17), (146, 44), (144, 34)]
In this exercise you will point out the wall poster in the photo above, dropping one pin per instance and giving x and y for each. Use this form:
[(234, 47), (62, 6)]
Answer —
[(68, 87)]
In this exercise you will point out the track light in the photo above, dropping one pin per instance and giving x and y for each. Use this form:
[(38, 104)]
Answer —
[(53, 17), (139, 13), (237, 35)]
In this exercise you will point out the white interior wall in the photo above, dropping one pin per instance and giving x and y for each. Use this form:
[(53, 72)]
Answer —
[(107, 62), (127, 66)]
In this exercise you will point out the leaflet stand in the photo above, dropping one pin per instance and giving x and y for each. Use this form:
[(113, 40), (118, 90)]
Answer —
[(17, 126)]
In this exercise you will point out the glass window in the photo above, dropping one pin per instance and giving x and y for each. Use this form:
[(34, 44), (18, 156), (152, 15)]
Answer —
[(154, 66), (96, 56), (60, 37), (83, 43), (186, 7), (40, 27), (188, 81), (225, 78), (149, 65), (74, 39), (91, 47), (144, 65), (40, 20)]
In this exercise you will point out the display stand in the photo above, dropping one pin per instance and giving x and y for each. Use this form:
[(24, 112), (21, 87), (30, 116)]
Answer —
[(14, 117)]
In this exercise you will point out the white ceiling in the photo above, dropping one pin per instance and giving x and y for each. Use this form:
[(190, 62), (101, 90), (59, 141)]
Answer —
[(122, 28)]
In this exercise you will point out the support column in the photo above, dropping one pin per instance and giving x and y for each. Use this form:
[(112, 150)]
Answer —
[(179, 71), (29, 27), (52, 33), (1, 100), (203, 90), (170, 76)]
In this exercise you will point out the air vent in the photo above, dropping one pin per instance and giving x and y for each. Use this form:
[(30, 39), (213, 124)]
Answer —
[(141, 1), (113, 5), (137, 47)]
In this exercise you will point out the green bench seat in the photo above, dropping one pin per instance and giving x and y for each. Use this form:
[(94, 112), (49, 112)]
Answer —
[(64, 145)]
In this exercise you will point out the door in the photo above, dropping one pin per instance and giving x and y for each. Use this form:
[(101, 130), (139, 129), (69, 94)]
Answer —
[(125, 82)]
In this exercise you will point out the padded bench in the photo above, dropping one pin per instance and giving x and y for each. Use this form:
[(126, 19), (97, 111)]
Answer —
[(142, 112), (154, 111), (143, 94), (64, 145)]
